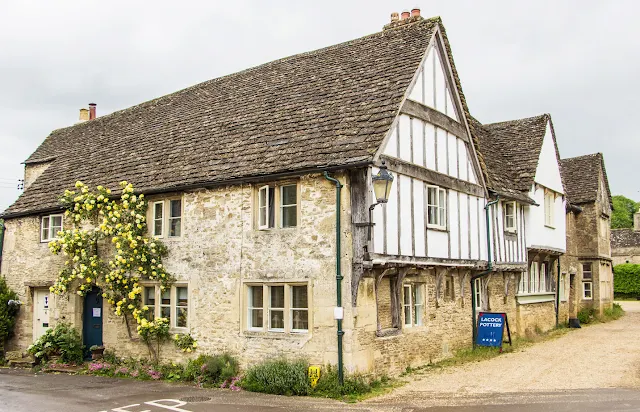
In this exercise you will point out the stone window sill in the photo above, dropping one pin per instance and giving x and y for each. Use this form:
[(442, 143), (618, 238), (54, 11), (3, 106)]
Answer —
[(527, 298), (277, 335)]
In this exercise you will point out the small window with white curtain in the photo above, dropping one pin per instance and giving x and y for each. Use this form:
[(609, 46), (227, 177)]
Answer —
[(510, 216), (413, 304), (436, 207)]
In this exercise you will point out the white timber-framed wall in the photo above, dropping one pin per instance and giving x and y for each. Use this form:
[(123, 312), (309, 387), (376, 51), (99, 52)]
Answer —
[(508, 245), (429, 147)]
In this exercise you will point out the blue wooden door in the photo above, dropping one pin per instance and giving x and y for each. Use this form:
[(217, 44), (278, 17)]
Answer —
[(92, 319)]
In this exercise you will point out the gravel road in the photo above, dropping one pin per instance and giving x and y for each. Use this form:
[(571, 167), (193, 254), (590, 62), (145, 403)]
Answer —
[(598, 356)]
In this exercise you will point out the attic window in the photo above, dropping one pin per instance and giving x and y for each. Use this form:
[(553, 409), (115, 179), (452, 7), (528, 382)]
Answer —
[(510, 216), (166, 218), (49, 227), (277, 206)]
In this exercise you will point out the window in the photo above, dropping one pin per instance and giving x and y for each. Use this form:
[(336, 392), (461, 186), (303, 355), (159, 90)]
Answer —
[(436, 207), (510, 216), (49, 227), (449, 291), (478, 287), (158, 219), (587, 290), (175, 218), (276, 308), (171, 303), (165, 224), (255, 306), (413, 304), (299, 309), (587, 274), (549, 201), (536, 280), (286, 197), (286, 308), (543, 276)]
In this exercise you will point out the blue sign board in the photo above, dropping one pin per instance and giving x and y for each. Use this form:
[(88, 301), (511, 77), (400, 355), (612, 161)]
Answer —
[(490, 329)]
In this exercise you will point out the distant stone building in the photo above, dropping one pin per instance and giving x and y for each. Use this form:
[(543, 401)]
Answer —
[(625, 243), (587, 263)]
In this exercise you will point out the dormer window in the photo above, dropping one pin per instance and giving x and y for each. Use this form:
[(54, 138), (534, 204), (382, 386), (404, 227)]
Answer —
[(49, 227), (510, 216)]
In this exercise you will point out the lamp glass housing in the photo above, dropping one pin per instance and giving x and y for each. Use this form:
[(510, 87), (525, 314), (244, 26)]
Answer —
[(382, 182)]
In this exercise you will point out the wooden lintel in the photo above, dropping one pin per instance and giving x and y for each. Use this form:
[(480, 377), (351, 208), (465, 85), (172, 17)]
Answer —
[(436, 118), (432, 177)]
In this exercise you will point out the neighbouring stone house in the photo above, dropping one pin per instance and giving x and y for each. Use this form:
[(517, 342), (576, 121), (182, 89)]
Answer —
[(587, 272), (234, 171), (625, 243)]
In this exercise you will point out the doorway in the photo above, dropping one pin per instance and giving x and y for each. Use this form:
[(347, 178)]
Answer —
[(92, 319), (40, 312)]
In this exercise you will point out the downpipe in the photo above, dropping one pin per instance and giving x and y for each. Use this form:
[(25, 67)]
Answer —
[(481, 274), (338, 275), (558, 295)]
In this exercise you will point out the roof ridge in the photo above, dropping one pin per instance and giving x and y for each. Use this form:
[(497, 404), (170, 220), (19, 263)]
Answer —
[(597, 154), (430, 20), (547, 115)]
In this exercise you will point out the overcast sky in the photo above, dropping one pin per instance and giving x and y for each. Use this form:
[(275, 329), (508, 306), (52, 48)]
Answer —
[(578, 60)]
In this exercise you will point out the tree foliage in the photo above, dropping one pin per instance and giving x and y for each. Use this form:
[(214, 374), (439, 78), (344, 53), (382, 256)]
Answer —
[(626, 280), (623, 211)]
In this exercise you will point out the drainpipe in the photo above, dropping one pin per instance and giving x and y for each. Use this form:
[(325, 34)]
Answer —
[(481, 274), (1, 241), (558, 295), (338, 276)]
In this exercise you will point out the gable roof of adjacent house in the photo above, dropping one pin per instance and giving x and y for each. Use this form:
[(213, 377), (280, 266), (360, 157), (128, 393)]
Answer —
[(581, 177), (510, 151), (309, 112)]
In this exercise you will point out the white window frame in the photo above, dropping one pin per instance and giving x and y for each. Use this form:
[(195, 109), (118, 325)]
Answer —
[(542, 283), (173, 304), (287, 310), (590, 271), (440, 206), (549, 208), (264, 200), (478, 287), (415, 304), (52, 234), (170, 217), (154, 219), (584, 290), (512, 227)]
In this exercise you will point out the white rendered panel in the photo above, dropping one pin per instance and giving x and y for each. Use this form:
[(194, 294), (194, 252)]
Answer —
[(453, 224), (483, 229), (404, 134), (463, 159), (537, 233), (471, 171), (548, 171), (416, 91), (440, 85), (392, 221), (441, 144), (430, 145), (417, 127), (502, 256), (419, 225), (406, 228), (378, 227), (451, 111), (464, 226), (438, 243), (473, 228), (453, 155), (429, 88), (391, 149)]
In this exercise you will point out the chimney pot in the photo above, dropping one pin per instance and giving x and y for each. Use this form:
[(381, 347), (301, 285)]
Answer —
[(92, 111), (405, 14), (415, 12), (84, 115), (394, 17)]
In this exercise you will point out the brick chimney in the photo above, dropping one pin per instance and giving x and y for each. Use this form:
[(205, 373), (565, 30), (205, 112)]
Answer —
[(92, 111), (84, 115), (405, 18), (636, 222)]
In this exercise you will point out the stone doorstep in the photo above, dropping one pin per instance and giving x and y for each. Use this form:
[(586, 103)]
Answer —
[(22, 363)]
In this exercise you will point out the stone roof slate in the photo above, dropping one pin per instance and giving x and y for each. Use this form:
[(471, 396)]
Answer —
[(624, 238), (581, 177), (326, 108)]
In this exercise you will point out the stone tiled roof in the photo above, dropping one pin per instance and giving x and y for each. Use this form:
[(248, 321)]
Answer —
[(326, 108), (581, 176), (510, 151), (624, 238)]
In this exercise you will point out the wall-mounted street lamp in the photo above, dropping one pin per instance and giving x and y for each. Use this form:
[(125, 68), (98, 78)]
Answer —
[(382, 182)]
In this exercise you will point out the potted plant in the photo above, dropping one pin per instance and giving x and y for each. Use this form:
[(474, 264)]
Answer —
[(97, 352)]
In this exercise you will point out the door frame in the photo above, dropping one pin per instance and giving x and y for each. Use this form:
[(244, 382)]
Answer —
[(98, 292), (35, 321)]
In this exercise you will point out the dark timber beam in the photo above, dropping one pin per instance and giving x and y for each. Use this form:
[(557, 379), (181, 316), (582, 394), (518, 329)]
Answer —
[(436, 118), (432, 177)]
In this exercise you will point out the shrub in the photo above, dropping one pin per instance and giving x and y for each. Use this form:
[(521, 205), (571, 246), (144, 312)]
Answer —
[(9, 307), (329, 387), (626, 280), (278, 377), (63, 341), (614, 312), (586, 315), (212, 369)]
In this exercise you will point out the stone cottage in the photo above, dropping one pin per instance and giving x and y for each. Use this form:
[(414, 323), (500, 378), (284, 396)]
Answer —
[(241, 174), (587, 272), (625, 243)]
